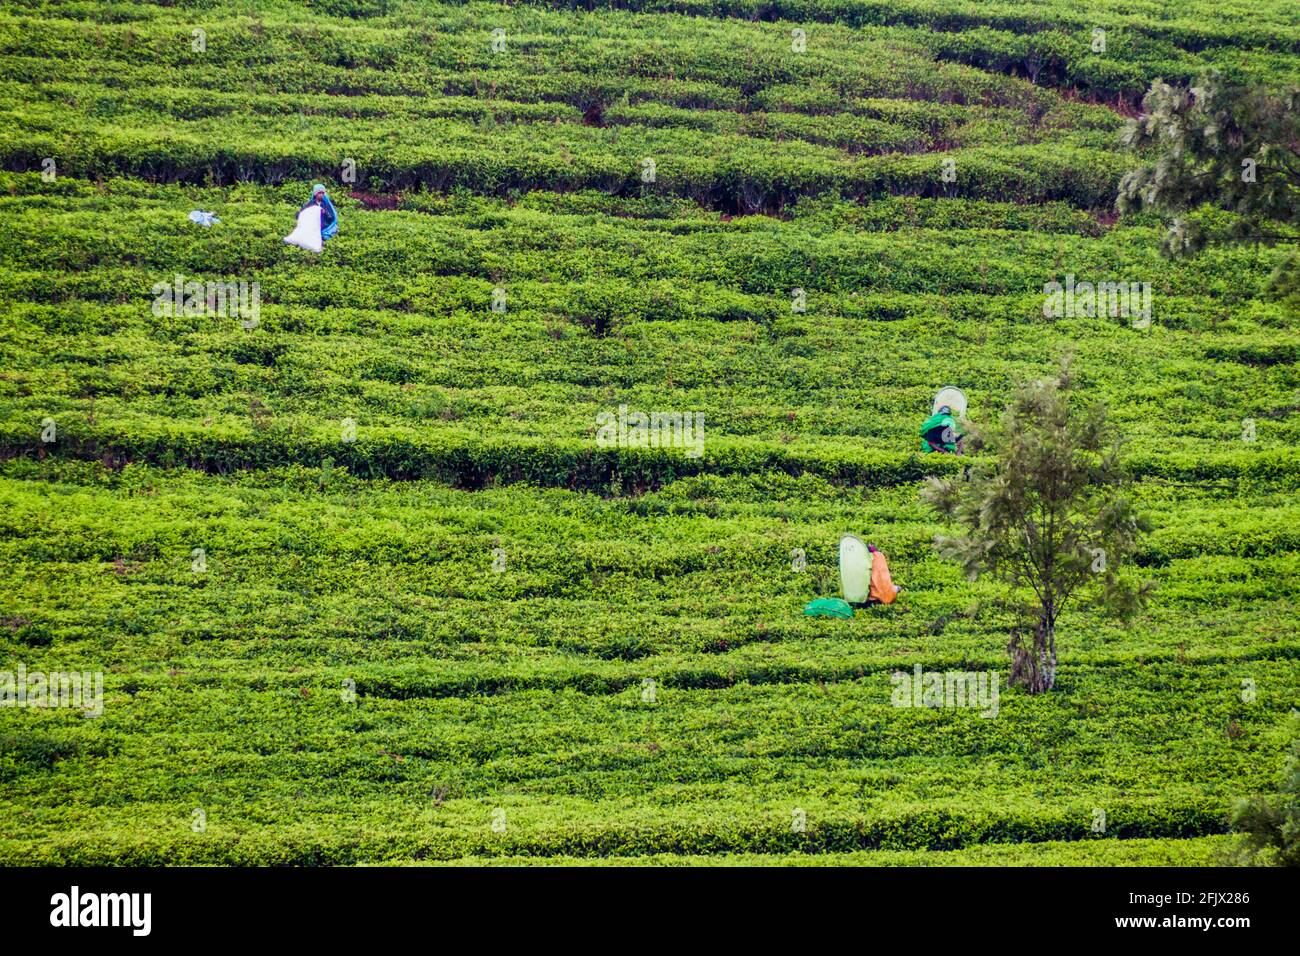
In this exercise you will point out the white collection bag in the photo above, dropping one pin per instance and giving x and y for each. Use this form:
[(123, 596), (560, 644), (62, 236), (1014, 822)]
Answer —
[(307, 233), (855, 569)]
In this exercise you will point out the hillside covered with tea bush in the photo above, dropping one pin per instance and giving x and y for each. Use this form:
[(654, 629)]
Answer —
[(362, 583)]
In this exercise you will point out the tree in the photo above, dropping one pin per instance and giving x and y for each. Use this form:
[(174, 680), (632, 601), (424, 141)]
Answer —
[(1271, 825), (1227, 146), (1050, 514)]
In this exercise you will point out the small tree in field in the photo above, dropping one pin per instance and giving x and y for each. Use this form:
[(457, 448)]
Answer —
[(1051, 514)]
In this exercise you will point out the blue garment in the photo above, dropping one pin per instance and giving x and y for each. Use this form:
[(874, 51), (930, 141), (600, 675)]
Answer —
[(329, 219)]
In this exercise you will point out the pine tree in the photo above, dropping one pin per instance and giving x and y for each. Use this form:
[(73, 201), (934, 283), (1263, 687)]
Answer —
[(1222, 163)]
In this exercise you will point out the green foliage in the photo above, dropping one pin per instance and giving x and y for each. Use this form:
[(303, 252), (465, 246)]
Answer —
[(1271, 825), (1219, 144), (368, 567)]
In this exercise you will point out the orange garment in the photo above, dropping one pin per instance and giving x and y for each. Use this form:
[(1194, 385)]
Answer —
[(882, 586)]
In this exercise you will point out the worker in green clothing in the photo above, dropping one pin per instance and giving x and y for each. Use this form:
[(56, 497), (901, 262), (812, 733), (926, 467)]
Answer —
[(939, 433)]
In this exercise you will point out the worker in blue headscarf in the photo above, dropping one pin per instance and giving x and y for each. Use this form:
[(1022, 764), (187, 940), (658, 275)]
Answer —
[(329, 219)]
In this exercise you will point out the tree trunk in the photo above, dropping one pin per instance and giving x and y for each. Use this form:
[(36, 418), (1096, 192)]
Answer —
[(1045, 648), (1024, 666), (1034, 669)]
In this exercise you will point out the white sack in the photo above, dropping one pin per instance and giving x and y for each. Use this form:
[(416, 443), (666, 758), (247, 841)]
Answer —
[(307, 233), (855, 569)]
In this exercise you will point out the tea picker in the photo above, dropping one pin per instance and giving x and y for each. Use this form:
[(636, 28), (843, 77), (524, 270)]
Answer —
[(317, 222), (864, 580), (940, 432), (864, 574)]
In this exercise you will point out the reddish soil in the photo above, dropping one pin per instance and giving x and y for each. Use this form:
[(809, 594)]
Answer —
[(376, 200)]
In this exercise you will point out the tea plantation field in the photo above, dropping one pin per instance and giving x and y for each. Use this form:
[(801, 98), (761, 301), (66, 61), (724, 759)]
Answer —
[(364, 586)]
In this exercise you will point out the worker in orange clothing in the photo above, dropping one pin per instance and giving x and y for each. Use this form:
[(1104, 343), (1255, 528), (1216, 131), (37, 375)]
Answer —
[(883, 590)]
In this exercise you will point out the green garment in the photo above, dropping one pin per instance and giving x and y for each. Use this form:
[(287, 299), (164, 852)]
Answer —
[(828, 607), (942, 421)]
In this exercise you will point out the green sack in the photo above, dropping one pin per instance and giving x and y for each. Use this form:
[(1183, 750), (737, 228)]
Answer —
[(828, 607)]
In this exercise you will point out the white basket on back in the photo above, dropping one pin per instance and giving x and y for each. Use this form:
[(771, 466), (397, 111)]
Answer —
[(952, 397)]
